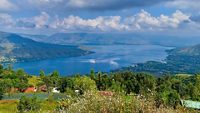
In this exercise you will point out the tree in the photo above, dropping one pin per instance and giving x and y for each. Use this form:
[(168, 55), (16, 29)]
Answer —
[(173, 99), (146, 83), (84, 84), (92, 74), (99, 81), (196, 88), (48, 82), (55, 78), (27, 104), (42, 74), (2, 90), (116, 86), (65, 84), (106, 82), (6, 85), (1, 69), (51, 81)]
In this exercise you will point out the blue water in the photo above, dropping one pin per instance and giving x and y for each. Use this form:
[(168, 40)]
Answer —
[(105, 58)]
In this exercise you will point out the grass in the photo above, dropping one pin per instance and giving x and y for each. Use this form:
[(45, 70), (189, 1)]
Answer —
[(92, 102), (9, 102), (41, 96), (10, 106)]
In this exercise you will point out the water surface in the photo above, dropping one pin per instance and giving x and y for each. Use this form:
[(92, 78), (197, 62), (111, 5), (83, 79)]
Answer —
[(105, 58)]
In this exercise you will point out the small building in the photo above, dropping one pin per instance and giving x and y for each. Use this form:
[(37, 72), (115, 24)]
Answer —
[(55, 90), (106, 93), (190, 104), (30, 90)]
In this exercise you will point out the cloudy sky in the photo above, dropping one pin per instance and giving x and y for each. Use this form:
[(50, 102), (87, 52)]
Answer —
[(102, 16)]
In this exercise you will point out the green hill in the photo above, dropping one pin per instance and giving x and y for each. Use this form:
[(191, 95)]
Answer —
[(23, 49), (184, 60)]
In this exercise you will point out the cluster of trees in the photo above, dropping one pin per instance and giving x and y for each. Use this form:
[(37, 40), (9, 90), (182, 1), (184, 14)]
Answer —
[(27, 104), (10, 79), (164, 90)]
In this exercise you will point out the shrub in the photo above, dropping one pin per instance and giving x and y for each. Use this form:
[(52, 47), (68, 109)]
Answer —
[(93, 102), (84, 84), (28, 104)]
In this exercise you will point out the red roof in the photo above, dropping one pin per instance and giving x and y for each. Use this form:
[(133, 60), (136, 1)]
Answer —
[(106, 93), (30, 89)]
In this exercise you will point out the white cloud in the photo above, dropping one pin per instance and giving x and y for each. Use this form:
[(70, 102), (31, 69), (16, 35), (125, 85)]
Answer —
[(142, 21), (6, 20), (41, 20), (145, 21), (100, 23), (36, 22), (6, 5)]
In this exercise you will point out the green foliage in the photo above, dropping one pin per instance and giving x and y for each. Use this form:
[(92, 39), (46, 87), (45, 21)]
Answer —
[(164, 90), (66, 84), (84, 84), (1, 92), (92, 74), (1, 69), (93, 102), (28, 104), (42, 74), (34, 80), (52, 80)]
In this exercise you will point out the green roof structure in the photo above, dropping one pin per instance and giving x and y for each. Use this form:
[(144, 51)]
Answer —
[(190, 104)]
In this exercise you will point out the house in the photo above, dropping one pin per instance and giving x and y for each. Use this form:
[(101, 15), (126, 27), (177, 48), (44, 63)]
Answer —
[(30, 90), (55, 90), (106, 93)]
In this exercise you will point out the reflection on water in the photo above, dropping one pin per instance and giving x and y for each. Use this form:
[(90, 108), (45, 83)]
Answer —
[(106, 58)]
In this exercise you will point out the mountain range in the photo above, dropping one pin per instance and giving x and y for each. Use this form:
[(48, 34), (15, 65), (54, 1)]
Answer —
[(114, 39), (22, 49), (186, 51)]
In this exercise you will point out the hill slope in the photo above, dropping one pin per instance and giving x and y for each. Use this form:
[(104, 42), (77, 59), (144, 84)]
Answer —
[(189, 51), (15, 46), (179, 60)]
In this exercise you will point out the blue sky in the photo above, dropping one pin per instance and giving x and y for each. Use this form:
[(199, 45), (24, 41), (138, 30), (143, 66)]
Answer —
[(174, 17)]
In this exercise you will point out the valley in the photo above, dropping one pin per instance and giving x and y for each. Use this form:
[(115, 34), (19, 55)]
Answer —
[(72, 53)]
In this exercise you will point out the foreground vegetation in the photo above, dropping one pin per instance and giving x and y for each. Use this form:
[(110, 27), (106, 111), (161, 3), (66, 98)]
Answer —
[(120, 92)]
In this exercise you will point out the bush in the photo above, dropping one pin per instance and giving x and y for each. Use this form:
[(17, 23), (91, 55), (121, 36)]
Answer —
[(28, 104), (93, 102), (84, 84)]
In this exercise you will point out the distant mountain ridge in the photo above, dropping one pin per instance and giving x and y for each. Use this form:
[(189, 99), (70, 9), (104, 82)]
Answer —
[(92, 39), (189, 51), (20, 48), (115, 39)]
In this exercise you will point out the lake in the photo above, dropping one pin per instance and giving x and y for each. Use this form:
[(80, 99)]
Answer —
[(105, 58)]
